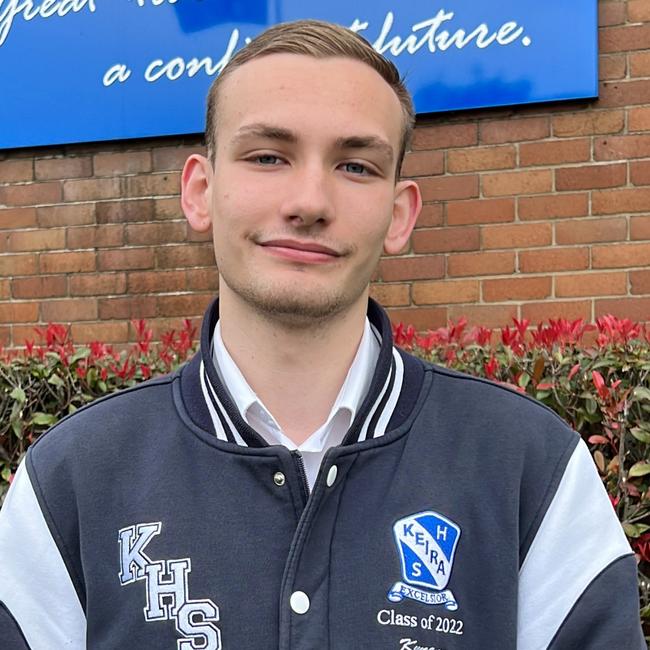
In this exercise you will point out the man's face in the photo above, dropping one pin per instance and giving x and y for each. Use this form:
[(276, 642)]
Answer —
[(303, 198)]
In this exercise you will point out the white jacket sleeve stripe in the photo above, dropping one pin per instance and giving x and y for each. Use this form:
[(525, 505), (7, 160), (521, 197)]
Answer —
[(34, 583), (574, 543)]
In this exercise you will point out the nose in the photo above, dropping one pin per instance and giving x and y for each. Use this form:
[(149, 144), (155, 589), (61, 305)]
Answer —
[(309, 197)]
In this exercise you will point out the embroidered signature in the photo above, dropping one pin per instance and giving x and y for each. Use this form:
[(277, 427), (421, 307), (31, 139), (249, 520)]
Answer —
[(412, 644)]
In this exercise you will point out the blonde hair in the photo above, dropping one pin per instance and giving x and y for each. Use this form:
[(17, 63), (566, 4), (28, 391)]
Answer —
[(320, 40)]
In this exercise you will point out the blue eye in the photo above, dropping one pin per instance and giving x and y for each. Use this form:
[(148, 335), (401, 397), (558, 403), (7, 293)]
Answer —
[(355, 168)]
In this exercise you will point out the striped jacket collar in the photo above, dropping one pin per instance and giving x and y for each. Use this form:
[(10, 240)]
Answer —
[(393, 390)]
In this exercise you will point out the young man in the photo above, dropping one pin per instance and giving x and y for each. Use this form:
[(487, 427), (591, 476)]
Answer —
[(301, 484)]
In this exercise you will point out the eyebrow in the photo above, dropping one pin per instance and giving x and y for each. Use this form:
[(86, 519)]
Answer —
[(281, 134)]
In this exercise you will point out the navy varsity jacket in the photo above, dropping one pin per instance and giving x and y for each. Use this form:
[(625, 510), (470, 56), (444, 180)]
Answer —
[(456, 514)]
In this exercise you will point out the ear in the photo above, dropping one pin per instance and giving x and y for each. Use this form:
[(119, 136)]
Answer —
[(406, 208), (195, 194)]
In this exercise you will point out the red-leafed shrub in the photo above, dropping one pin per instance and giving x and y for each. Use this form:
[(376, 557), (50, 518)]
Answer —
[(597, 377)]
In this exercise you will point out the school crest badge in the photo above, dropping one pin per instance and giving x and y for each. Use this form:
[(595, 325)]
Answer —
[(426, 544)]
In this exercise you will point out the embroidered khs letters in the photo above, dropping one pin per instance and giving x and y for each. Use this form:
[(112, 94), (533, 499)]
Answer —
[(167, 590)]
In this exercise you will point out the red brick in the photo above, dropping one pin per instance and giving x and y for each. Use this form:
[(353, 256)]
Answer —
[(391, 295), (588, 122), (12, 218), (445, 292), (469, 160), (412, 268), (156, 281), (486, 315), (125, 211), (148, 185), (516, 289), (13, 171), (441, 240), (91, 189), (612, 67), (443, 188), (640, 282), (624, 39), (639, 119), (127, 307), (618, 201), (5, 290), (184, 256), (591, 230), (423, 163), (617, 256), (68, 311), (40, 286), (63, 167), (636, 309), (624, 93), (169, 208), (36, 240), (590, 284), (173, 158), (66, 215), (67, 262), (590, 177), (553, 207), (640, 172), (555, 259), (538, 312), (445, 136), (611, 13), (515, 183), (184, 305), (468, 264), (96, 236), (430, 216), (30, 194), (105, 332), (18, 312), (482, 211), (156, 233), (128, 258), (622, 147), (12, 265), (117, 164), (517, 236), (640, 227), (640, 64), (97, 284), (514, 130), (638, 11), (553, 153), (206, 279), (422, 319)]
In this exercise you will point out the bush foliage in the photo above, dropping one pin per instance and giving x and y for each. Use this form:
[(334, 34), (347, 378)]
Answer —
[(597, 377)]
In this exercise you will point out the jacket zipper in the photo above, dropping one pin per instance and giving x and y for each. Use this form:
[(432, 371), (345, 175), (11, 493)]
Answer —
[(300, 465)]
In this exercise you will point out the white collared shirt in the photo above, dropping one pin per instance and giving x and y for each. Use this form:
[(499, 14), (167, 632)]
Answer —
[(342, 414)]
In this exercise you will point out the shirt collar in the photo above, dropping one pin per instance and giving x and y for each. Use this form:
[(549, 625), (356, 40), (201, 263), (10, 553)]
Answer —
[(343, 411)]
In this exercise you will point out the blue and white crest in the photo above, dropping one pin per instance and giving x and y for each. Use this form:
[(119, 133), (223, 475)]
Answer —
[(426, 543)]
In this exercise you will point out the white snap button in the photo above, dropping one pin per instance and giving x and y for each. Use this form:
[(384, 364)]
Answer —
[(299, 602), (278, 479), (331, 475)]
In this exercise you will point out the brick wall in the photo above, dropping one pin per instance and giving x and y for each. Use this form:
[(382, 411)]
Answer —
[(534, 212)]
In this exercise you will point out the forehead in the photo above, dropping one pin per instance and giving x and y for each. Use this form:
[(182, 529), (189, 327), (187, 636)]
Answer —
[(328, 97)]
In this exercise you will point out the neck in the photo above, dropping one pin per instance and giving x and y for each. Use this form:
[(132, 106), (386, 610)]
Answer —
[(297, 372)]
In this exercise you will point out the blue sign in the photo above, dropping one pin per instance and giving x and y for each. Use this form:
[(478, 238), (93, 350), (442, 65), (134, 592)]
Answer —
[(89, 70)]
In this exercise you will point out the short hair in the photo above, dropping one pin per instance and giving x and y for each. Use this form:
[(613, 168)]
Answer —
[(321, 40)]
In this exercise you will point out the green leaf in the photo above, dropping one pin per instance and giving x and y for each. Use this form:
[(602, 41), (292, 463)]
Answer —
[(102, 386), (71, 408), (44, 419), (639, 469), (631, 530), (18, 394), (82, 353), (55, 380), (17, 428), (642, 393), (6, 473), (640, 435), (591, 406)]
